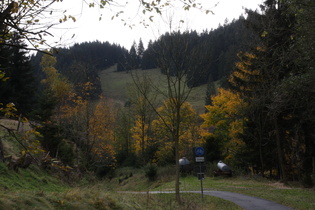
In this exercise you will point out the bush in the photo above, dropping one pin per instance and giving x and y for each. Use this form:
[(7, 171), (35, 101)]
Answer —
[(127, 160), (103, 171), (66, 152), (307, 181), (151, 172)]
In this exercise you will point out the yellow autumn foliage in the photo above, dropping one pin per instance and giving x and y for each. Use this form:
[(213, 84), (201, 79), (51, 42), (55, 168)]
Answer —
[(164, 127), (94, 122), (224, 120), (54, 81), (140, 135), (245, 71), (101, 124)]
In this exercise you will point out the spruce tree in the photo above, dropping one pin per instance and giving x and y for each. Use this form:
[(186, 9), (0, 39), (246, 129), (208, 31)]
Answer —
[(20, 87)]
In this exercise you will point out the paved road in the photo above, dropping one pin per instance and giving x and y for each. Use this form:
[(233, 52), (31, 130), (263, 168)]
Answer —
[(247, 202), (244, 201)]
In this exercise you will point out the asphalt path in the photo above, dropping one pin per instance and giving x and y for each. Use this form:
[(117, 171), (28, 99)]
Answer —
[(244, 201), (247, 202)]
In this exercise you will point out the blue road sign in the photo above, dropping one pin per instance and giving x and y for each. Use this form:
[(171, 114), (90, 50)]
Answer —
[(199, 151)]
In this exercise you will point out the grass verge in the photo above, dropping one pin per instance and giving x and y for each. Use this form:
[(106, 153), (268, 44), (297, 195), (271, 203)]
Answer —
[(33, 188), (292, 195), (167, 201)]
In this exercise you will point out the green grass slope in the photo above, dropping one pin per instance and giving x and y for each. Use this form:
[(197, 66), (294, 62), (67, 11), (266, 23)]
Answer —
[(34, 188), (115, 85)]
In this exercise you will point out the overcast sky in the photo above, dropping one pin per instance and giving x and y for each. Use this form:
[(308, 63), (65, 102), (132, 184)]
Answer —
[(89, 28)]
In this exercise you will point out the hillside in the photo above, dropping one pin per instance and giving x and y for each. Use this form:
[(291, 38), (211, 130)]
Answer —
[(115, 85)]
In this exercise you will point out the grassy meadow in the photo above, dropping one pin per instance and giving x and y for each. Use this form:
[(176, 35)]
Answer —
[(116, 85), (33, 188)]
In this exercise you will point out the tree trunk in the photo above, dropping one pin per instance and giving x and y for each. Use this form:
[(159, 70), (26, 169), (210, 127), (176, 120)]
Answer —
[(177, 174), (20, 123), (282, 173), (262, 169), (1, 151), (177, 134)]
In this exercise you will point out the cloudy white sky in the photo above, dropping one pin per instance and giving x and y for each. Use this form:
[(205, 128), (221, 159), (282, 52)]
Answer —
[(89, 28)]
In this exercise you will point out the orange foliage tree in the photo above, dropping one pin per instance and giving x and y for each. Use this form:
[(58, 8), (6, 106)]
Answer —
[(224, 121), (141, 106), (101, 132), (188, 132), (85, 127), (91, 127), (140, 135)]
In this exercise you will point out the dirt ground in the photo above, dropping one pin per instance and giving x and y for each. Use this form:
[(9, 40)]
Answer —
[(14, 125)]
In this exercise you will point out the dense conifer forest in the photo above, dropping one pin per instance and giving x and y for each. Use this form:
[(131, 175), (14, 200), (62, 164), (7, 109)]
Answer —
[(213, 53)]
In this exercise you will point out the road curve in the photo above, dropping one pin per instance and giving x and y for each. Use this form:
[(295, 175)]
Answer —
[(244, 201), (247, 202)]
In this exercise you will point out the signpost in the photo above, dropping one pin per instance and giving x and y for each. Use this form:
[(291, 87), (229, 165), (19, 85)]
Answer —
[(200, 159), (199, 153)]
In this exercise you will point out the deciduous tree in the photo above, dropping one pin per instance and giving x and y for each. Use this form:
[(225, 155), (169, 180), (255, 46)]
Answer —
[(173, 56), (224, 122), (55, 95), (140, 107), (164, 130), (29, 19)]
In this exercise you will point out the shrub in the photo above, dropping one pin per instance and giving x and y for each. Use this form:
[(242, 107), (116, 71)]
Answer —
[(151, 172), (307, 181), (66, 152)]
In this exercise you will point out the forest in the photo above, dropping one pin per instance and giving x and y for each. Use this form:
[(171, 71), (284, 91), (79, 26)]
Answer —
[(259, 105)]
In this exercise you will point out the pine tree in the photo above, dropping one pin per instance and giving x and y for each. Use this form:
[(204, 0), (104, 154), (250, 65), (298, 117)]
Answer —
[(275, 83), (140, 49), (19, 88), (148, 59), (133, 61)]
